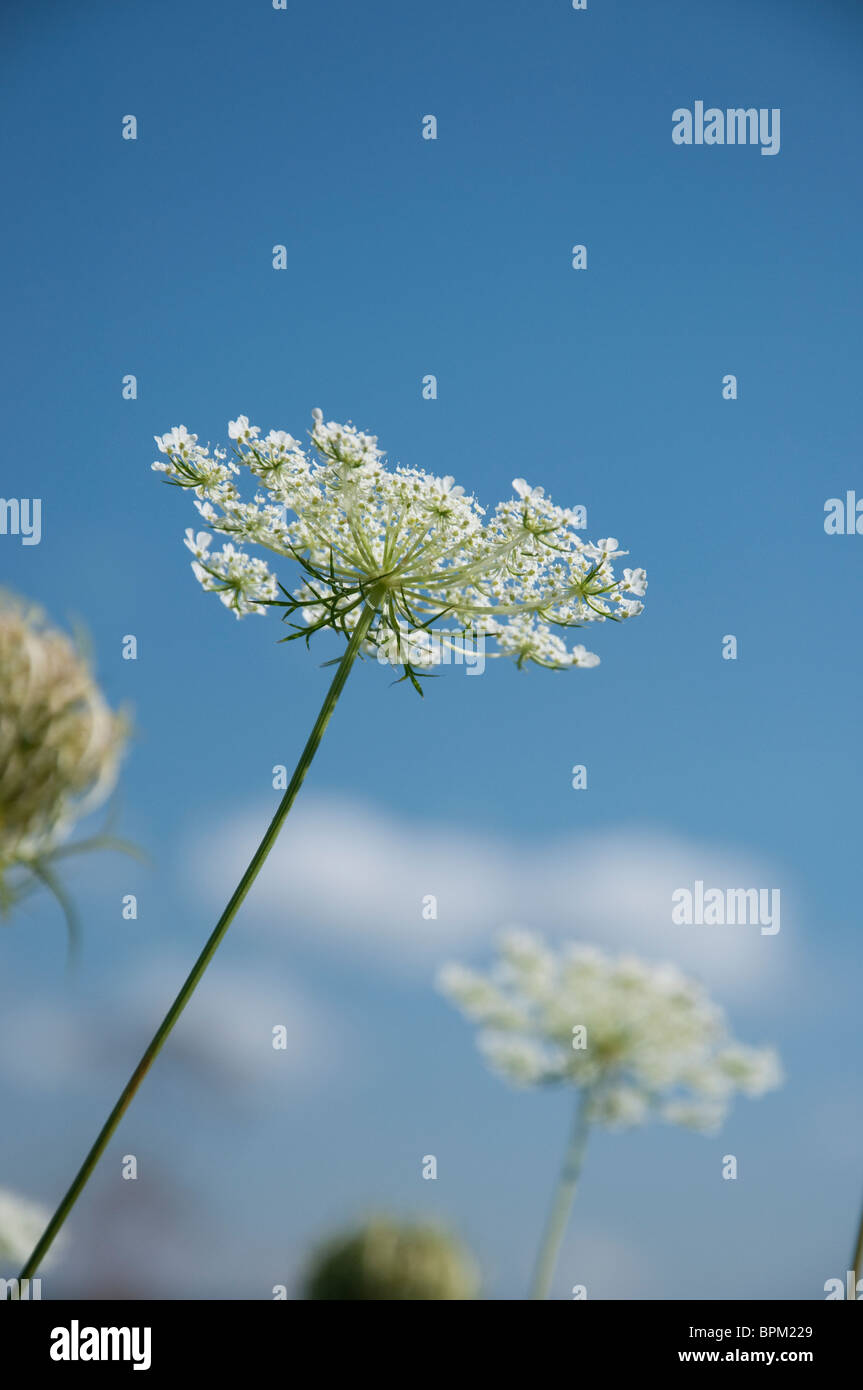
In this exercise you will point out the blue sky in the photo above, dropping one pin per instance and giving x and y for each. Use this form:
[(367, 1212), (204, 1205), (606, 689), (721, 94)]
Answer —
[(407, 257)]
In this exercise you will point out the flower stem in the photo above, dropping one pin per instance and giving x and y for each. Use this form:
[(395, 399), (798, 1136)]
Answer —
[(561, 1206), (209, 950), (857, 1257)]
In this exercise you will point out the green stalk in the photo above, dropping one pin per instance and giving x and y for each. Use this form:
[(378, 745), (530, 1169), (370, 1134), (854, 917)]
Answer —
[(191, 982), (561, 1205), (857, 1257)]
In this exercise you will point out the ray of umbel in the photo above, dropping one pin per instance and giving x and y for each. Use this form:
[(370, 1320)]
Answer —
[(401, 563)]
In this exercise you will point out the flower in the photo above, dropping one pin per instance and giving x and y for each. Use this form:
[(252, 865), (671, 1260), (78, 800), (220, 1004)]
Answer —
[(415, 547), (635, 582), (21, 1225), (640, 1040), (392, 1261), (60, 744)]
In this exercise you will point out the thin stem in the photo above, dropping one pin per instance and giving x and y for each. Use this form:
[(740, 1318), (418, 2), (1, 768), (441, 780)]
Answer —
[(857, 1257), (209, 950), (561, 1205)]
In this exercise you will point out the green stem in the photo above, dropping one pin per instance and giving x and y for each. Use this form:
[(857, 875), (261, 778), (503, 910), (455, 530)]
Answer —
[(209, 950), (857, 1257), (561, 1206)]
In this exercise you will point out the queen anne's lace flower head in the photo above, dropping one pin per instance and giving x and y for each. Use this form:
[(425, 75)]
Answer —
[(59, 742), (641, 1040), (415, 547)]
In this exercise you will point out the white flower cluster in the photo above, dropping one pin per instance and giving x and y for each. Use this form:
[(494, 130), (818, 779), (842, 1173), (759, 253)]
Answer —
[(21, 1224), (641, 1040), (411, 545)]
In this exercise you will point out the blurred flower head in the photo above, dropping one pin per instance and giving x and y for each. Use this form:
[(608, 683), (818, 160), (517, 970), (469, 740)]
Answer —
[(21, 1224), (389, 1261), (415, 546), (60, 743), (642, 1040)]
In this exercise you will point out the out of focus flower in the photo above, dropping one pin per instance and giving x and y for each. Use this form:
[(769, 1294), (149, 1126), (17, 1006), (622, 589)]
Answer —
[(391, 1261), (633, 1040), (60, 746), (640, 1040)]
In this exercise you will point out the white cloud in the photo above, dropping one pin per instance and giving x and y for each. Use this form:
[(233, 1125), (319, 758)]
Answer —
[(227, 1027), (224, 1035), (348, 875)]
